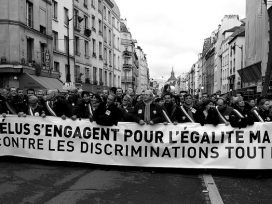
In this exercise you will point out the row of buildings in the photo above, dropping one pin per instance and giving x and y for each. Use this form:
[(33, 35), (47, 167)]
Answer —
[(80, 43), (236, 57)]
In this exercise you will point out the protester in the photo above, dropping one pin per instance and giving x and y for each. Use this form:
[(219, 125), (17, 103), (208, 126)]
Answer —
[(148, 112), (207, 114), (107, 114)]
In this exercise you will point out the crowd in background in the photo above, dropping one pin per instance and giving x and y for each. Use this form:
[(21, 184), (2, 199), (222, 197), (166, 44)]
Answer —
[(109, 107)]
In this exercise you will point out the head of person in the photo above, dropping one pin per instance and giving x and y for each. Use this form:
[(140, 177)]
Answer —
[(113, 90), (20, 92), (148, 96), (188, 99), (139, 98), (241, 104), (95, 101), (264, 104), (33, 100), (4, 93), (221, 103), (111, 99), (13, 91), (51, 94), (204, 96), (119, 92), (85, 95), (127, 100), (130, 92), (30, 92), (240, 96), (252, 103), (105, 94), (40, 93), (168, 98)]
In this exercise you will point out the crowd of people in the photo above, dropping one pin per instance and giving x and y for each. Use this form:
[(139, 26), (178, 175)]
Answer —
[(112, 106)]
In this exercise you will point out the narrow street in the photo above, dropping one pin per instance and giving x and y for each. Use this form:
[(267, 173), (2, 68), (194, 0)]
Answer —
[(36, 181)]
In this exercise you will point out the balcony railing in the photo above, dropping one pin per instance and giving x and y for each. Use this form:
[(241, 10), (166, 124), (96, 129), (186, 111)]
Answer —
[(127, 79), (127, 66), (127, 53)]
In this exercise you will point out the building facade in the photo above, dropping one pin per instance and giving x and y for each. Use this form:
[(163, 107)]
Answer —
[(143, 78), (26, 45)]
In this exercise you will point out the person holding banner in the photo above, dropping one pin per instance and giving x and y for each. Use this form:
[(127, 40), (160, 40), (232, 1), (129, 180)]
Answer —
[(107, 114), (224, 110), (148, 112), (263, 110), (173, 112), (241, 116), (34, 108), (188, 109), (206, 114), (85, 109), (126, 109)]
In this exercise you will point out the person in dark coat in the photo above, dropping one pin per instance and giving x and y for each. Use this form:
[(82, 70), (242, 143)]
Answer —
[(3, 99), (189, 109), (126, 109), (85, 108), (34, 108), (148, 112), (224, 110), (263, 110), (206, 114), (242, 116), (107, 114), (172, 110)]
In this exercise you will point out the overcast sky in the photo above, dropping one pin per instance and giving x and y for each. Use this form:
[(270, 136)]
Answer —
[(172, 32)]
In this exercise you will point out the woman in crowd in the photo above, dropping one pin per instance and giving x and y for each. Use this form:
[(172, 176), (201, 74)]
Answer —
[(206, 114)]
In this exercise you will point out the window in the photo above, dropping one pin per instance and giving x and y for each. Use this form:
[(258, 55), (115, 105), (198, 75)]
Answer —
[(55, 10), (105, 56), (42, 50), (86, 22), (114, 59), (55, 40), (77, 46), (95, 74), (109, 17), (100, 50), (66, 16), (29, 14), (99, 6), (105, 33), (100, 26), (76, 23), (66, 41), (77, 74), (93, 4), (87, 73), (42, 29), (86, 43), (85, 3), (30, 46), (94, 47), (109, 37), (113, 21), (106, 78), (110, 58), (114, 38), (68, 73), (100, 75), (56, 67), (93, 23), (105, 13)]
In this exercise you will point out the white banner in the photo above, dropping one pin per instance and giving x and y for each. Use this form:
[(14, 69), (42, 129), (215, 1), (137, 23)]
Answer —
[(187, 145)]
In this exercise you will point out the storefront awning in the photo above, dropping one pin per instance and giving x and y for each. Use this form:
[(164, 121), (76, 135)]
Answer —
[(28, 81), (252, 73)]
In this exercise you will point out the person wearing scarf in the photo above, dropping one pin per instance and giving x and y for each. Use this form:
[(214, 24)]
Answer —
[(147, 112)]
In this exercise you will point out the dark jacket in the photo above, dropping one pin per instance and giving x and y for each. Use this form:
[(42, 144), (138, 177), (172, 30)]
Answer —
[(107, 116), (3, 107), (193, 111), (156, 114), (126, 114), (174, 112), (225, 112), (84, 110), (212, 117), (265, 115), (241, 122)]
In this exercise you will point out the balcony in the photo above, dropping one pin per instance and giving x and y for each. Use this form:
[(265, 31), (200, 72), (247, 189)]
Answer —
[(127, 53), (127, 66), (127, 79)]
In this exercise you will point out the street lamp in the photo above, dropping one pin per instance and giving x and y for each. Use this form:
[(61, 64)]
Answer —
[(80, 19)]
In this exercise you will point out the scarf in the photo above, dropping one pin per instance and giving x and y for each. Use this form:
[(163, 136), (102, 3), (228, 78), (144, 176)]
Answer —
[(147, 111)]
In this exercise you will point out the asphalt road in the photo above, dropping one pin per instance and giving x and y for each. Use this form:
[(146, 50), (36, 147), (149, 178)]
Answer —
[(36, 181)]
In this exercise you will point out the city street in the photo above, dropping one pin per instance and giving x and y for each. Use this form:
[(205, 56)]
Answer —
[(36, 181)]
